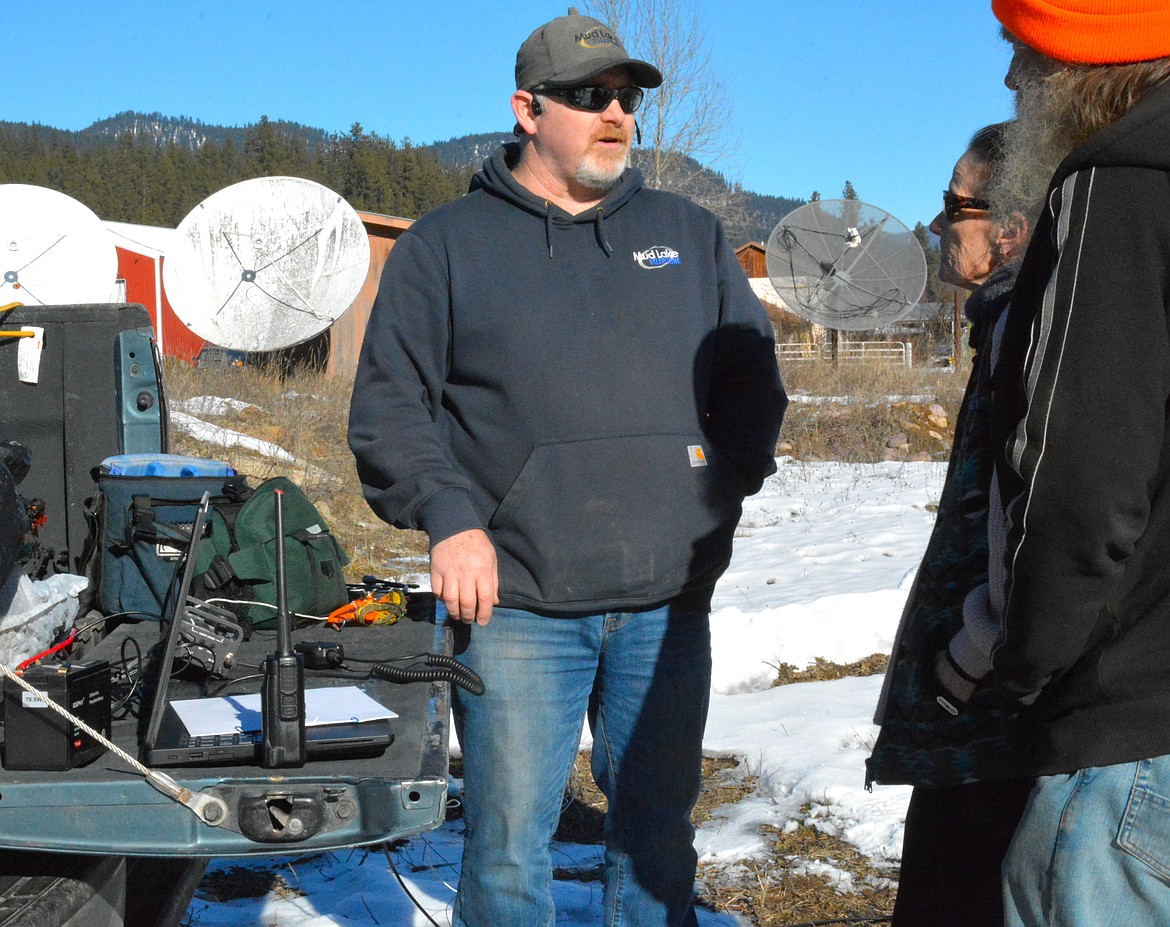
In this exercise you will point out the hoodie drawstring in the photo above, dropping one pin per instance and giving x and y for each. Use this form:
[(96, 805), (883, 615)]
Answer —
[(597, 230), (605, 245)]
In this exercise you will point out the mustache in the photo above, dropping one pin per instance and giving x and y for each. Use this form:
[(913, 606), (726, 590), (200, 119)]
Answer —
[(612, 134)]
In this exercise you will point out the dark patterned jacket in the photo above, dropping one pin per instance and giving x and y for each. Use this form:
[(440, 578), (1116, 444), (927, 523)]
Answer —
[(919, 742)]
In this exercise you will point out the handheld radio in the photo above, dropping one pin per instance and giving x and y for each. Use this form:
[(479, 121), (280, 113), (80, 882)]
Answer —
[(282, 699)]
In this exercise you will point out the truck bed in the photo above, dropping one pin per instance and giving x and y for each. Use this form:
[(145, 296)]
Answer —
[(107, 807)]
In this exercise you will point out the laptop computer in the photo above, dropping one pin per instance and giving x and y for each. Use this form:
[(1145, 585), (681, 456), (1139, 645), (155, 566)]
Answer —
[(170, 742)]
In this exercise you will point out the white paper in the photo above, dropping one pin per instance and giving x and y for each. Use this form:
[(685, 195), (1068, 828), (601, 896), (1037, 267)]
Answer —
[(28, 355), (233, 714)]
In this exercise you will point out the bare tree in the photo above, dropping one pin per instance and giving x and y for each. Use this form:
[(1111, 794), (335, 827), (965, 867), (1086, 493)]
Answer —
[(686, 123)]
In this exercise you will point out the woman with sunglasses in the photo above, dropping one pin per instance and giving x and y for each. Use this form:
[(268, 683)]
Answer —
[(937, 733)]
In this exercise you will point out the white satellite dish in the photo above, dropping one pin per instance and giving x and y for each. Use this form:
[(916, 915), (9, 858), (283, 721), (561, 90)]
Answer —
[(845, 264), (266, 263), (53, 249)]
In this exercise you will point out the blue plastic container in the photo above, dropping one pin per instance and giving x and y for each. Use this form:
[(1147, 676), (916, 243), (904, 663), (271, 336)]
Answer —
[(164, 465)]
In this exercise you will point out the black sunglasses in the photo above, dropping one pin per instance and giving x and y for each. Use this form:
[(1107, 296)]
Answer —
[(596, 99), (954, 204)]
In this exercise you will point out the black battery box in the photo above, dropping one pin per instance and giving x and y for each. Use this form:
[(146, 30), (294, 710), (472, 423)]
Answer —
[(37, 737)]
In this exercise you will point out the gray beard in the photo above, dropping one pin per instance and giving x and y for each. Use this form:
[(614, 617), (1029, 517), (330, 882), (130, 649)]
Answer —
[(594, 177), (1035, 145)]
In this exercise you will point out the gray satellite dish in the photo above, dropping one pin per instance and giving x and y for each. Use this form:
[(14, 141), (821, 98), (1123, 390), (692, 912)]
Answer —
[(266, 263), (53, 249), (846, 265)]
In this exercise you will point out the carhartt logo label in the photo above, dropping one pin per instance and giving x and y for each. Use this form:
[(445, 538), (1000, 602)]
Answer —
[(698, 458), (658, 256), (595, 38)]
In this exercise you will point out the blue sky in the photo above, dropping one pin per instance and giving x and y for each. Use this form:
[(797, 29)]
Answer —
[(883, 93)]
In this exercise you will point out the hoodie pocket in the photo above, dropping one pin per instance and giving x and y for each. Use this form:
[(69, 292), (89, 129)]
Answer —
[(634, 518)]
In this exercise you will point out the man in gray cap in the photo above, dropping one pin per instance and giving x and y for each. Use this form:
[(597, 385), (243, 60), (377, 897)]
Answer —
[(568, 384)]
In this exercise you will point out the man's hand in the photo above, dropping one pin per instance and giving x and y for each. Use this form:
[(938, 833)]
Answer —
[(464, 575)]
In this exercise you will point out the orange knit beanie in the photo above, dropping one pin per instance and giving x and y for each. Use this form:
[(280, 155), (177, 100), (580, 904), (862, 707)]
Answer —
[(1089, 31)]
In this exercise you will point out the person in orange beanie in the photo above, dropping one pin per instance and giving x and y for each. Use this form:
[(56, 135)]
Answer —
[(1081, 431)]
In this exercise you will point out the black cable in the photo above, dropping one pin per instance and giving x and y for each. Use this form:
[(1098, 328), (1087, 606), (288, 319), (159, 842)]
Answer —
[(150, 616), (322, 657), (413, 900), (439, 668), (232, 682), (406, 656), (132, 678)]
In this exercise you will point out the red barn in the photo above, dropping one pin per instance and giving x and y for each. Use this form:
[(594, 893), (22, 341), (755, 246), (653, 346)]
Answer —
[(141, 252)]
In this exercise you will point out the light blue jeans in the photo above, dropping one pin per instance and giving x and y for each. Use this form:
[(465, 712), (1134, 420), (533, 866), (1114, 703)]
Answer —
[(643, 679), (1093, 850)]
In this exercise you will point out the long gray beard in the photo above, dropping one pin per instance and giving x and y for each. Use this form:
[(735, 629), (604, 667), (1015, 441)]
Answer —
[(1035, 144)]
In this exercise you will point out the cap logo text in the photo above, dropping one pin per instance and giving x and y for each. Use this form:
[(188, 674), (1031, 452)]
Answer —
[(595, 38)]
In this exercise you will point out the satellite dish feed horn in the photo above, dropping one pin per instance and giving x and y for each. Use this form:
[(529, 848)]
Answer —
[(266, 263), (845, 265)]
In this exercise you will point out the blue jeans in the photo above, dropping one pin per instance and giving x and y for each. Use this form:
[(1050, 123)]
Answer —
[(1093, 849), (643, 679)]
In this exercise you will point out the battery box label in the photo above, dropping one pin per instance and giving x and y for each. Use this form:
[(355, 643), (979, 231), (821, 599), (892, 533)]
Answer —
[(28, 700)]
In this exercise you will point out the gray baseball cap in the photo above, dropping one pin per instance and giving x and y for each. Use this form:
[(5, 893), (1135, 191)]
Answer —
[(573, 49)]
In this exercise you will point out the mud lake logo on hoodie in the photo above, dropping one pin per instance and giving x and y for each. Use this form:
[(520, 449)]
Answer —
[(656, 256)]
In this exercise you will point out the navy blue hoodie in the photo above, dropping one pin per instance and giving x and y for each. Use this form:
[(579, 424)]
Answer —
[(598, 392)]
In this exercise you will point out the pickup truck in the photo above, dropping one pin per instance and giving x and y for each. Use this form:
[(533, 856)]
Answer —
[(91, 844)]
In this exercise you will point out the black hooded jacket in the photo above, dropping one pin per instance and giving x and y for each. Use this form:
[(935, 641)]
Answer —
[(598, 392), (1081, 417)]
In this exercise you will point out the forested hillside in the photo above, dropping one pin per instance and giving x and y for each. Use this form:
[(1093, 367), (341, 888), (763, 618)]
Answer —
[(156, 178), (153, 169), (747, 216)]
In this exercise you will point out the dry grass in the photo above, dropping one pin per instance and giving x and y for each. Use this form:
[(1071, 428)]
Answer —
[(871, 379), (871, 405), (791, 882), (244, 882), (584, 807), (306, 416), (822, 669)]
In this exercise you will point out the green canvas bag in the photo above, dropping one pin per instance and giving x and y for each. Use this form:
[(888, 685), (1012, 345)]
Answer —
[(242, 555)]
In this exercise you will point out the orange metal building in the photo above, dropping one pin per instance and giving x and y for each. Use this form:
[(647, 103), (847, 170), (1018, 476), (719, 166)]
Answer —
[(346, 334)]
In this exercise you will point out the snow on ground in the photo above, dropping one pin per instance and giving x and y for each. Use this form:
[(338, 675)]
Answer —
[(822, 565), (184, 417), (213, 405), (227, 437)]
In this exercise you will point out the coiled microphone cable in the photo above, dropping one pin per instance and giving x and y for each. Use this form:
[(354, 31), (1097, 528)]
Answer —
[(439, 668)]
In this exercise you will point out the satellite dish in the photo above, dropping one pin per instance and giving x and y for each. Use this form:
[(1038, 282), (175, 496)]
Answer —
[(53, 249), (845, 264), (266, 263)]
